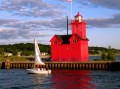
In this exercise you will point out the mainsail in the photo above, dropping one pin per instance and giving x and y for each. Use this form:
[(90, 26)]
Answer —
[(37, 59)]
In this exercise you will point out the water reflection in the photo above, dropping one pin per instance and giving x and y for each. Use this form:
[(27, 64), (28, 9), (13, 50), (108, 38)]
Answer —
[(38, 81), (72, 79)]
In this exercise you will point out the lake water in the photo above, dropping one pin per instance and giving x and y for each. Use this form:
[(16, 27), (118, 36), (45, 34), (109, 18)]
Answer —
[(98, 57), (60, 79)]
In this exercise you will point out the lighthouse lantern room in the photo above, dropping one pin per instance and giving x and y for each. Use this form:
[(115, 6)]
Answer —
[(78, 18)]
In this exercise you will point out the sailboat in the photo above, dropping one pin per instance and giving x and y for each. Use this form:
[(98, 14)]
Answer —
[(38, 61)]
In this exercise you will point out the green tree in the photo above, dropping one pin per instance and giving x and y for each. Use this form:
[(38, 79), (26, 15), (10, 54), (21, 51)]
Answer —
[(1, 51), (103, 55), (14, 52), (27, 53), (110, 54)]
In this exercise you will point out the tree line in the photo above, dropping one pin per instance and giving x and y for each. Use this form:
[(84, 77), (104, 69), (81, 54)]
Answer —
[(107, 54), (99, 50), (25, 49)]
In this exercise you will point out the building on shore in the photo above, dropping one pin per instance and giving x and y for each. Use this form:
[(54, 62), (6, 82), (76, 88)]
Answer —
[(71, 47)]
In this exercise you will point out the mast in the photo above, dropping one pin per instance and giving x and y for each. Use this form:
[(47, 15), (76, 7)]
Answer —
[(34, 48)]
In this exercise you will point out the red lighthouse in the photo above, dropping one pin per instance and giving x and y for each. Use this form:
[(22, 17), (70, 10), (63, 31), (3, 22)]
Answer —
[(71, 48)]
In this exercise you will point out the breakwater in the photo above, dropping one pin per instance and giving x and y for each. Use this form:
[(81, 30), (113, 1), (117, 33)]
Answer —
[(91, 65)]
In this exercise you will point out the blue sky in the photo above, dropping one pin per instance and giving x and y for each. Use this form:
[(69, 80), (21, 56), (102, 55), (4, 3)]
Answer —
[(22, 20)]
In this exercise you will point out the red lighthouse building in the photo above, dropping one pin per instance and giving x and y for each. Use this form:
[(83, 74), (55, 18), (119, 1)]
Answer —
[(71, 48)]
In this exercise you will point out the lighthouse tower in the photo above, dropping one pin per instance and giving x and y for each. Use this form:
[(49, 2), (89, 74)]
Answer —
[(73, 47), (78, 26)]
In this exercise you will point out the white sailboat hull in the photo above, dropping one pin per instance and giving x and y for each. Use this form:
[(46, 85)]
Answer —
[(36, 71)]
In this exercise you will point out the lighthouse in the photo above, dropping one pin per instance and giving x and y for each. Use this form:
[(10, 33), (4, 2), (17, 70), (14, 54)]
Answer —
[(73, 47)]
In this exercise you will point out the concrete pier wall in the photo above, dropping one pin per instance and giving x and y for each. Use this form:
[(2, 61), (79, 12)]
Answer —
[(92, 65)]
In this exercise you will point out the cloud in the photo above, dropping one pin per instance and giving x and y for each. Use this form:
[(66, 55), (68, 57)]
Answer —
[(45, 17), (35, 8), (110, 4), (104, 22), (7, 21), (7, 33), (15, 29), (55, 23)]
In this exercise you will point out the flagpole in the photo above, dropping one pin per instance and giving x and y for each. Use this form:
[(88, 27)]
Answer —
[(71, 10)]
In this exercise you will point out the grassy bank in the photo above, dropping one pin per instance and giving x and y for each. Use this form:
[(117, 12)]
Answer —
[(21, 58), (16, 58)]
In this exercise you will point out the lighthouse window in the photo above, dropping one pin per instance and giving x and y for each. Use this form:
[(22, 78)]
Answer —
[(75, 41), (55, 42)]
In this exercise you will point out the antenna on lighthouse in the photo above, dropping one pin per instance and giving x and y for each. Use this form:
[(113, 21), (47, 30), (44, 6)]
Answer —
[(67, 24)]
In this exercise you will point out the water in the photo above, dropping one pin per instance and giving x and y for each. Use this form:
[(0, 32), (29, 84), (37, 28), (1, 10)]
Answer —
[(98, 57), (60, 79)]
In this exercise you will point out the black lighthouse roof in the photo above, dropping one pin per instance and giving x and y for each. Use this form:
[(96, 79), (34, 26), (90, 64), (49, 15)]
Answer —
[(64, 38)]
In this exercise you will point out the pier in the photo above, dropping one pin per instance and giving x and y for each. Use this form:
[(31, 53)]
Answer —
[(91, 65)]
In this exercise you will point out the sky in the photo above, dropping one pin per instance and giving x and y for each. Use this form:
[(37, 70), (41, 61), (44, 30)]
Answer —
[(23, 20)]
